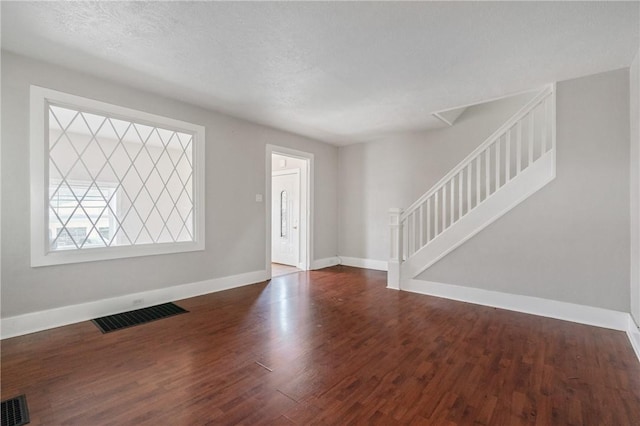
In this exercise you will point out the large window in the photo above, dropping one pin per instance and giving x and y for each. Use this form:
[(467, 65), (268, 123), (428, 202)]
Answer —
[(111, 182)]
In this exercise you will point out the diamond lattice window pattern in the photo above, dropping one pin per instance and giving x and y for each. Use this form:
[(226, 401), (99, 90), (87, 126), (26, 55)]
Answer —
[(114, 182)]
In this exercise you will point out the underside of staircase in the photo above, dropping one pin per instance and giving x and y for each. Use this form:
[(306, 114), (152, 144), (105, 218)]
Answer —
[(513, 163)]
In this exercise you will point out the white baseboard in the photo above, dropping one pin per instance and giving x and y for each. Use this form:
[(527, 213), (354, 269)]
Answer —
[(378, 265), (582, 314), (634, 336), (325, 263), (52, 318)]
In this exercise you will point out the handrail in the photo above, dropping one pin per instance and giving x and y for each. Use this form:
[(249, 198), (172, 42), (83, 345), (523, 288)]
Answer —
[(528, 107)]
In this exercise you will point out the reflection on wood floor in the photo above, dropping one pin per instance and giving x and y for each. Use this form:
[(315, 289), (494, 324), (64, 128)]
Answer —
[(278, 269), (333, 346)]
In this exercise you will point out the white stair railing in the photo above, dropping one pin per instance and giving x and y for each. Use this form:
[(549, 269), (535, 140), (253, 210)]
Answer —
[(521, 141)]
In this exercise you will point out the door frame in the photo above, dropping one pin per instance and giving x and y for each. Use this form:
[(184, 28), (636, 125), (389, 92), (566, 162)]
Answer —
[(306, 237)]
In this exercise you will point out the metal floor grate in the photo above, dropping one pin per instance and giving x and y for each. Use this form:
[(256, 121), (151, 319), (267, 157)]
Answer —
[(139, 316), (15, 412)]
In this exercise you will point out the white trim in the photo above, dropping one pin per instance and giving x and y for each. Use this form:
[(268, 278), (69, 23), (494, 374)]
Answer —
[(285, 172), (307, 263), (43, 320), (39, 166), (633, 333), (325, 263), (497, 98), (582, 314), (441, 118), (378, 265)]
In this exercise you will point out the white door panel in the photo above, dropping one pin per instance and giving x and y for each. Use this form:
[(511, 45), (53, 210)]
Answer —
[(285, 217)]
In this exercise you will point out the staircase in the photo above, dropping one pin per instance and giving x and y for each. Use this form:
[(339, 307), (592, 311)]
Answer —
[(514, 162)]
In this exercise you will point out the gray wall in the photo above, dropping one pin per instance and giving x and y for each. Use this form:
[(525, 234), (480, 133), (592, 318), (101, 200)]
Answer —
[(395, 171), (569, 241), (574, 247), (235, 172), (634, 90)]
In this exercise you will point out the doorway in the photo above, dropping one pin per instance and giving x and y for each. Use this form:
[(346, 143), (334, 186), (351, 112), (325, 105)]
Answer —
[(285, 215), (288, 211)]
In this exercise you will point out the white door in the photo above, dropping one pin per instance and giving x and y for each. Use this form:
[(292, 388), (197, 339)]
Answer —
[(285, 217)]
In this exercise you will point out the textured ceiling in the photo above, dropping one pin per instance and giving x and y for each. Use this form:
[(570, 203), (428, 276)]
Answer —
[(339, 72)]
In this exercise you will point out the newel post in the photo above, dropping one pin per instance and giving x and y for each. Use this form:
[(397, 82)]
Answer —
[(395, 225)]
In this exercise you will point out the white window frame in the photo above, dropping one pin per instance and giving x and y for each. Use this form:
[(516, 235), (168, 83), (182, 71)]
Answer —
[(41, 255)]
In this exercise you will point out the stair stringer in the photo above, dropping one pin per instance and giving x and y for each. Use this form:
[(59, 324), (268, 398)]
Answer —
[(512, 193)]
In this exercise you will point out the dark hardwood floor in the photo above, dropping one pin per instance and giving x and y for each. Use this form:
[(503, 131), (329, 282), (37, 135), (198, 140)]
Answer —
[(327, 347)]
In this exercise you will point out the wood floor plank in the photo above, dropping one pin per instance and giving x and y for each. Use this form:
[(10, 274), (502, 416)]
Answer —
[(333, 346)]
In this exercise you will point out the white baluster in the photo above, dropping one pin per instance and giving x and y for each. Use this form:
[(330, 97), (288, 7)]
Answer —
[(469, 170), (478, 164), (410, 233), (444, 206), (498, 163), (421, 237), (507, 154), (395, 258), (405, 239), (519, 148), (435, 214), (531, 136), (553, 122), (428, 219), (543, 149), (453, 201), (487, 172), (460, 194), (413, 234)]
